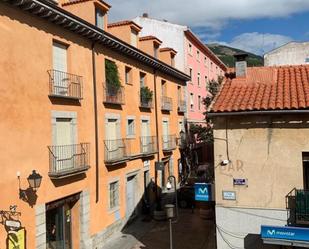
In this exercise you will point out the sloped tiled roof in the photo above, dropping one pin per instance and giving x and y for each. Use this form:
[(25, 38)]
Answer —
[(149, 37), (265, 89), (122, 23)]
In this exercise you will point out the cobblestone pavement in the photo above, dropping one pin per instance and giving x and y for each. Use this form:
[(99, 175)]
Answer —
[(190, 232)]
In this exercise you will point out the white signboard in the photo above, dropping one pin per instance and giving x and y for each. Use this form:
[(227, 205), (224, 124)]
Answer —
[(229, 195)]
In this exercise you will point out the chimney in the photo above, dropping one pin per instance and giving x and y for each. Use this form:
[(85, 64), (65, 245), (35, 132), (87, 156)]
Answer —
[(241, 64), (145, 15)]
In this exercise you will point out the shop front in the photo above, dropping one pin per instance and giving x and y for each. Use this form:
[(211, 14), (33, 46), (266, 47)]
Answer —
[(285, 237)]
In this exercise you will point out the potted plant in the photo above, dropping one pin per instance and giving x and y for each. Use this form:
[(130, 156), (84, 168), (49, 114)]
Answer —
[(113, 83), (146, 95)]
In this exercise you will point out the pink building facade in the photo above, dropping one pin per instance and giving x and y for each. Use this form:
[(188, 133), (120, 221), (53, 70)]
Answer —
[(203, 66), (193, 57)]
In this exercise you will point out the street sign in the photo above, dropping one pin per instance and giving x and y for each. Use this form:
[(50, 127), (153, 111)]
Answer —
[(159, 166), (240, 181), (229, 195), (12, 224), (202, 191)]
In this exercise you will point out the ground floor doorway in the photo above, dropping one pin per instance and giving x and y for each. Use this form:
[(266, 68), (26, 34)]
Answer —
[(60, 222)]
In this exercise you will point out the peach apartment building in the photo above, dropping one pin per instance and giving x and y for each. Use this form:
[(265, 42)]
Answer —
[(93, 142)]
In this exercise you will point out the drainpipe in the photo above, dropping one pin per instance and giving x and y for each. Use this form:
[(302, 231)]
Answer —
[(95, 123), (157, 129)]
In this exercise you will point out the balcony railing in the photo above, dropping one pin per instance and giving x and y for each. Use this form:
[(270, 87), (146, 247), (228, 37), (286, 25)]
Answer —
[(113, 95), (62, 84), (181, 106), (169, 142), (148, 145), (166, 103), (145, 102), (68, 159), (116, 150), (298, 205)]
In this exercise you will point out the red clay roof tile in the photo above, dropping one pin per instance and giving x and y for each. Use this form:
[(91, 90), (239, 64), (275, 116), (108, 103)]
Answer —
[(265, 88)]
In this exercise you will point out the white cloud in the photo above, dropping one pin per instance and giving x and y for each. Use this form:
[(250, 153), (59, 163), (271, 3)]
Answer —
[(257, 43), (211, 13)]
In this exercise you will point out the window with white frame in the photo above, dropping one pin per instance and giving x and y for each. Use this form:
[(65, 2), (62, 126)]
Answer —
[(191, 101), (211, 66), (128, 75), (190, 48), (198, 55), (205, 60), (199, 103), (199, 79), (99, 18), (134, 38), (130, 127), (190, 73), (113, 195), (142, 79), (206, 81)]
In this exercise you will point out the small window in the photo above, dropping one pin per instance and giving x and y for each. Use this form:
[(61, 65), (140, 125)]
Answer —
[(199, 103), (155, 51), (113, 195), (142, 79), (211, 65), (130, 127), (190, 48), (199, 79), (191, 101), (198, 55), (307, 60), (173, 60), (190, 73), (134, 38), (205, 60), (206, 81), (99, 18), (128, 72)]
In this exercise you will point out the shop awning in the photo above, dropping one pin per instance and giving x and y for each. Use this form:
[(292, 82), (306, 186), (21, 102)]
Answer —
[(288, 236)]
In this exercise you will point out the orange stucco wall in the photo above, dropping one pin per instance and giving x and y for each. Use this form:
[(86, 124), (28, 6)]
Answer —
[(26, 130)]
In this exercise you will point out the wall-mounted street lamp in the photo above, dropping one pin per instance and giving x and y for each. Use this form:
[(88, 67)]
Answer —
[(34, 181)]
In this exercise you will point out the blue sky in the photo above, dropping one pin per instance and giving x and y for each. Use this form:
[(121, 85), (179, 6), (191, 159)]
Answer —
[(253, 25)]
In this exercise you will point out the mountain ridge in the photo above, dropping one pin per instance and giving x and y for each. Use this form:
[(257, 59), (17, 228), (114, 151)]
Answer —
[(226, 54)]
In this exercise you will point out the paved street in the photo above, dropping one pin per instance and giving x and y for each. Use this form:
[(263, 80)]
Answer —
[(190, 232)]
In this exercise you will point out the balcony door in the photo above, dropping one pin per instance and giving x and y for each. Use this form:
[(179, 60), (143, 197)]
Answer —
[(60, 79), (113, 143), (165, 133), (146, 139), (64, 144)]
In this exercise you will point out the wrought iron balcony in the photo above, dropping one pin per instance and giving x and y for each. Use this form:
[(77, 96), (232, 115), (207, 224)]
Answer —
[(65, 85), (169, 142), (113, 95), (145, 102), (166, 103), (67, 160), (297, 202), (116, 151), (181, 106), (148, 145)]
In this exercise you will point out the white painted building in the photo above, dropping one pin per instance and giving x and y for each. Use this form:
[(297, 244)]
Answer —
[(292, 53)]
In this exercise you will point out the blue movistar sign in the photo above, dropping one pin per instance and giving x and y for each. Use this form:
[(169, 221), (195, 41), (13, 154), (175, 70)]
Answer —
[(286, 233), (202, 191)]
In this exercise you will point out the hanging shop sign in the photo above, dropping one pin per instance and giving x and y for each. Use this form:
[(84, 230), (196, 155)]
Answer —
[(240, 182), (17, 239), (229, 195), (12, 225), (202, 191), (285, 233)]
